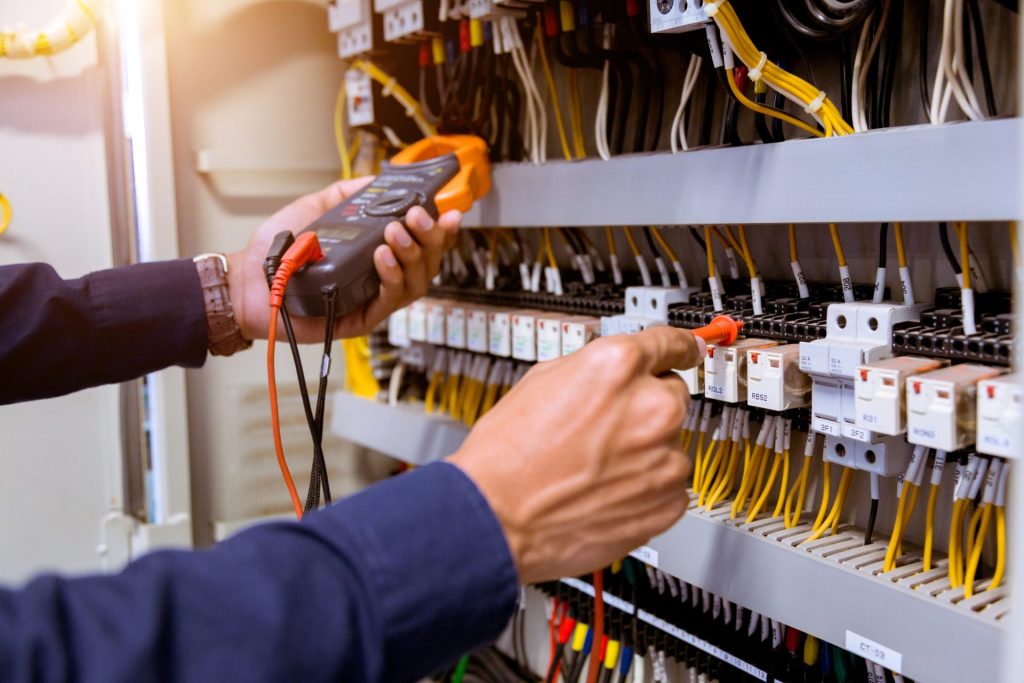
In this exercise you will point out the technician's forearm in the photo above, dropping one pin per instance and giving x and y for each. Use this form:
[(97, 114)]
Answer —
[(59, 336)]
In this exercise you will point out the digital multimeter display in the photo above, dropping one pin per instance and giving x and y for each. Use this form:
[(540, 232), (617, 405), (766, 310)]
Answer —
[(336, 233)]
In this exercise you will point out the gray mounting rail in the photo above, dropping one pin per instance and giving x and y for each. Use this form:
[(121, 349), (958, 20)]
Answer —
[(826, 587), (958, 171)]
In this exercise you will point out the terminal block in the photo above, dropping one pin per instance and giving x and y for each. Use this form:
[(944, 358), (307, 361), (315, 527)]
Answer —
[(879, 392), (1000, 415), (524, 335), (725, 369), (437, 315), (353, 21), (577, 332), (942, 406), (455, 325), (774, 379), (645, 307), (478, 337), (405, 20), (549, 337), (677, 16)]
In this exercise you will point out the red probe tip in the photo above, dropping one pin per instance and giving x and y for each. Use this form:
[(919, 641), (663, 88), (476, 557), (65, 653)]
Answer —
[(723, 330)]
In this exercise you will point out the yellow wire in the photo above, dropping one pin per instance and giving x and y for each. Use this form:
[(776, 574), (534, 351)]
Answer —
[(755, 510), (835, 515), (711, 254), (553, 93), (1000, 571), (339, 133), (6, 214), (929, 526), (750, 465), (978, 545), (709, 478), (837, 245), (698, 461), (897, 529), (725, 486), (793, 253), (1013, 242), (429, 399), (391, 85), (751, 266), (632, 242), (826, 488), (609, 236), (576, 116), (550, 249), (965, 253), (955, 526), (768, 111), (901, 254), (797, 495), (783, 483), (664, 243)]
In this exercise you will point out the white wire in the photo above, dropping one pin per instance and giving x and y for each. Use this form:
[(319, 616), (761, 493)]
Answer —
[(678, 135), (861, 66), (601, 119), (395, 384)]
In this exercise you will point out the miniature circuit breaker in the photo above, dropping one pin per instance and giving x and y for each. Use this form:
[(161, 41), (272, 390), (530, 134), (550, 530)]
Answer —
[(398, 328), (524, 335), (437, 313), (725, 369), (478, 337), (404, 20), (879, 392), (549, 337), (455, 325), (942, 406), (856, 334), (499, 333), (1000, 415), (886, 456), (774, 378), (418, 320)]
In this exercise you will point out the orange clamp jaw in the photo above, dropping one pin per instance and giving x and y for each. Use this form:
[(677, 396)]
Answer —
[(723, 331), (473, 179)]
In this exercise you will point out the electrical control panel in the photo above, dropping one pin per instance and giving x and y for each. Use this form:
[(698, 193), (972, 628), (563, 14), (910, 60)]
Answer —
[(1000, 411)]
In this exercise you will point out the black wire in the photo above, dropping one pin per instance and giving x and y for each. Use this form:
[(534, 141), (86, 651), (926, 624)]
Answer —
[(779, 105), (761, 121), (948, 249), (883, 244), (845, 69), (704, 139), (893, 44), (330, 294), (700, 240), (870, 531), (979, 39), (923, 27), (606, 675), (553, 667), (649, 236)]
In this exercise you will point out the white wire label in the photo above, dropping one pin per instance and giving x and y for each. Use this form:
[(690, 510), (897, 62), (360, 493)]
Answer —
[(646, 554), (874, 652)]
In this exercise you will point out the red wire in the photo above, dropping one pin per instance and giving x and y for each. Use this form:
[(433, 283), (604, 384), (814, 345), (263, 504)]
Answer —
[(595, 653), (275, 418), (552, 625)]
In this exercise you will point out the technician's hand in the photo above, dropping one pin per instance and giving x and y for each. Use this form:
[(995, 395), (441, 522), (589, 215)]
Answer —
[(581, 461), (406, 264)]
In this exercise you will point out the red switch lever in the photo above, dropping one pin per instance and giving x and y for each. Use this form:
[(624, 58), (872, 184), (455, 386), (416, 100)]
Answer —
[(723, 330)]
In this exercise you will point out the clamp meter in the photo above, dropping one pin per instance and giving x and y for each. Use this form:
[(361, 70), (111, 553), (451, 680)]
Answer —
[(439, 173)]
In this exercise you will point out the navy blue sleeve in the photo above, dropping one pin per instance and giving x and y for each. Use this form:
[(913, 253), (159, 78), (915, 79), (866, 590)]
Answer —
[(388, 585), (58, 336)]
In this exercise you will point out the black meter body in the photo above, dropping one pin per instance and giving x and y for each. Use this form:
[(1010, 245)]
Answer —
[(351, 232)]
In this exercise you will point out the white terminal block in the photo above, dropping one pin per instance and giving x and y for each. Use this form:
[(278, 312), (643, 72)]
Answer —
[(886, 456), (549, 337), (437, 313), (478, 338), (418, 320), (879, 396), (352, 20), (524, 335), (774, 378), (402, 18), (494, 9), (578, 331), (1000, 412), (677, 16), (942, 406), (499, 332), (645, 307), (398, 328), (455, 325), (725, 369)]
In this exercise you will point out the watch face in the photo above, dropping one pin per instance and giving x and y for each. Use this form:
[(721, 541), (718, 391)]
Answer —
[(665, 6)]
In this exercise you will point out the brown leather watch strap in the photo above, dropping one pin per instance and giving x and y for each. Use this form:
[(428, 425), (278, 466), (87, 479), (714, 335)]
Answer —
[(224, 333)]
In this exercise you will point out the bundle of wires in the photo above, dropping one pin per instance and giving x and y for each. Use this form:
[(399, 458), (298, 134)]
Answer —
[(809, 98), (830, 520), (911, 484), (952, 79), (796, 497)]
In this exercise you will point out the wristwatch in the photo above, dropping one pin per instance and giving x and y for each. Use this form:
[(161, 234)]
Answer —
[(224, 333)]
